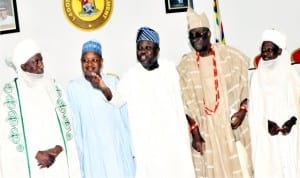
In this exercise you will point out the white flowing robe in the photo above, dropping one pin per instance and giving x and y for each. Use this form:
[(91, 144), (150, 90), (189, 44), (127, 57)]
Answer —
[(157, 121), (34, 129), (274, 95)]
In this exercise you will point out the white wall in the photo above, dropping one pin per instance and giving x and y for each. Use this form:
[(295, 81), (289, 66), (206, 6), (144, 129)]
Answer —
[(61, 42), (246, 20)]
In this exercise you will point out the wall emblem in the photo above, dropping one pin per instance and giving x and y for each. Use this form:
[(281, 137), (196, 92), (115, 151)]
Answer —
[(88, 14)]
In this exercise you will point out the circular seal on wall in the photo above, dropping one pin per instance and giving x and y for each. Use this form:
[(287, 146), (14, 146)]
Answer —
[(88, 14)]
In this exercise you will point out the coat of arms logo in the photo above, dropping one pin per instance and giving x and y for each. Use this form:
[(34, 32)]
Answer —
[(88, 14)]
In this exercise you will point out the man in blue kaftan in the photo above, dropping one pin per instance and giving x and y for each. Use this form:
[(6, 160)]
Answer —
[(101, 129)]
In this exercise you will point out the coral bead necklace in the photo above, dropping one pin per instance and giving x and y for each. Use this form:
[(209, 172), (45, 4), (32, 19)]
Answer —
[(208, 110)]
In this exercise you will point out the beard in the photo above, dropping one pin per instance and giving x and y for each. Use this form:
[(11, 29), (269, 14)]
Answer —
[(149, 64)]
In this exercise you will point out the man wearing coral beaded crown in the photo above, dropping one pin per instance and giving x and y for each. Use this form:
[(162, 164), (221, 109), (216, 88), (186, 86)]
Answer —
[(214, 86)]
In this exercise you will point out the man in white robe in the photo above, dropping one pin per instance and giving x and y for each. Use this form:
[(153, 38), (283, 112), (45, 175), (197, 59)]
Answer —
[(156, 114), (274, 111), (36, 139)]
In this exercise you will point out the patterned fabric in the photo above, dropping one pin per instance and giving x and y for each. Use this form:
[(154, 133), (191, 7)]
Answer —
[(92, 46), (32, 119), (220, 159), (147, 34)]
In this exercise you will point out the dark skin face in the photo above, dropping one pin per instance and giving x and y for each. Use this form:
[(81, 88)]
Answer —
[(147, 54), (270, 51), (34, 64), (91, 63), (200, 40)]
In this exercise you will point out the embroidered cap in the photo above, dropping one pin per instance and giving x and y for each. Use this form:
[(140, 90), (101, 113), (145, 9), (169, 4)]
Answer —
[(147, 34), (92, 46)]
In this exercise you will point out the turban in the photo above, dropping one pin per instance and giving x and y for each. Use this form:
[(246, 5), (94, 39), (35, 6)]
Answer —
[(24, 51), (276, 37), (3, 6), (195, 20), (92, 46), (147, 34)]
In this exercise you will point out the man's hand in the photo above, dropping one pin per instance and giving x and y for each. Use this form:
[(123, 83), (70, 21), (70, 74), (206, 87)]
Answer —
[(97, 82), (273, 128), (237, 118), (94, 79), (198, 142), (55, 151), (46, 158), (287, 126)]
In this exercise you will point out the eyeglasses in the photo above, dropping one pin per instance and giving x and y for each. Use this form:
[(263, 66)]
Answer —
[(195, 35)]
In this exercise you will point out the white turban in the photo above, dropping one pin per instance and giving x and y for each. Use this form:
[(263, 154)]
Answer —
[(195, 20), (24, 51), (276, 37)]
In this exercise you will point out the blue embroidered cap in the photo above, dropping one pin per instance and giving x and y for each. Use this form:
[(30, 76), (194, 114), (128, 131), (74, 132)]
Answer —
[(92, 45), (147, 34)]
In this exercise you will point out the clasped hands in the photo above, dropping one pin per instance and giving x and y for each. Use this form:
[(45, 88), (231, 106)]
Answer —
[(285, 129), (46, 158)]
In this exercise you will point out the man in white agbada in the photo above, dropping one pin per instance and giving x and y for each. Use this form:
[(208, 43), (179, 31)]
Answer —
[(273, 111), (156, 115), (36, 139)]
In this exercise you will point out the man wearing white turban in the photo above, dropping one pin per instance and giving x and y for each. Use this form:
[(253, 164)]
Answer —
[(214, 86), (274, 111), (36, 139)]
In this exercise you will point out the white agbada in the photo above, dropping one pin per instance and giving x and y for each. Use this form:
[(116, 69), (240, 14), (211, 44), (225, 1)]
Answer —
[(157, 121), (274, 95), (34, 117)]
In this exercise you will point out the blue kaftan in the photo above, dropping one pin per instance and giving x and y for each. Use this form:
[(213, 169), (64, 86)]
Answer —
[(101, 131)]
